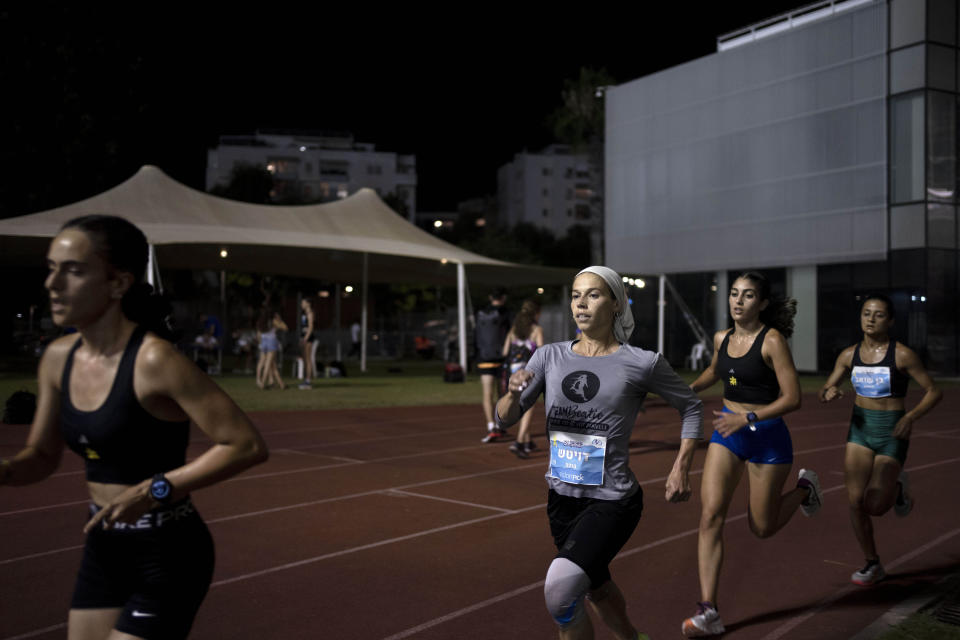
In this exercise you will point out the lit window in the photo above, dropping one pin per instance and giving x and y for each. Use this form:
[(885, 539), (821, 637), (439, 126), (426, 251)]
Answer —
[(342, 191)]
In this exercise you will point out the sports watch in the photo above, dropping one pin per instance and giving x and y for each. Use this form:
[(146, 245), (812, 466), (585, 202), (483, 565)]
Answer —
[(752, 421), (160, 489)]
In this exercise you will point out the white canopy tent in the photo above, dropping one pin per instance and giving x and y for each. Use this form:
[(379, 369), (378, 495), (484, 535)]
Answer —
[(357, 237)]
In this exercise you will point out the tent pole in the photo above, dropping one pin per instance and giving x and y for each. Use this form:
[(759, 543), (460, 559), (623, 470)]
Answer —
[(661, 308), (462, 315), (337, 292), (153, 270), (363, 317)]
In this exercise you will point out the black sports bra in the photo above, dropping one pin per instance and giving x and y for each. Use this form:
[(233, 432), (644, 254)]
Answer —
[(747, 378), (120, 442)]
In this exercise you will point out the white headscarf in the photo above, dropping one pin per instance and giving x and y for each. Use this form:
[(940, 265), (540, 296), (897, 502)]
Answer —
[(623, 319)]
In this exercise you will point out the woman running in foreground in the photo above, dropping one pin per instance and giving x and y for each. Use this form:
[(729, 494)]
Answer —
[(760, 386), (880, 369), (123, 398), (594, 387)]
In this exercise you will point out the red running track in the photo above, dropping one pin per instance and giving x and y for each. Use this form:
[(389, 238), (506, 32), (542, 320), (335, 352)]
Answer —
[(397, 523)]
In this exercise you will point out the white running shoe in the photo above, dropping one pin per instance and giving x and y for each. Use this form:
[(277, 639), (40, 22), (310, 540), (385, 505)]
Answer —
[(706, 622), (904, 504), (808, 479), (871, 574)]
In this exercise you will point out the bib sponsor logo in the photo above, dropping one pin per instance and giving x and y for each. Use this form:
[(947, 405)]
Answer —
[(580, 386)]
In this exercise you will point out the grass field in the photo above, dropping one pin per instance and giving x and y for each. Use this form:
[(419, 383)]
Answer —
[(386, 383)]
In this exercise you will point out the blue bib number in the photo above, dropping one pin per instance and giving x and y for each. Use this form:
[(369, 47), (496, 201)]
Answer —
[(871, 382), (577, 458)]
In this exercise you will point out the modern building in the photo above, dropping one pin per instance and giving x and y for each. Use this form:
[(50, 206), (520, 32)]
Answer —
[(819, 146), (317, 167), (550, 189)]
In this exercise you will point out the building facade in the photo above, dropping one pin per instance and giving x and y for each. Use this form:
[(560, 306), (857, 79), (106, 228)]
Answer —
[(820, 146), (550, 189), (316, 167)]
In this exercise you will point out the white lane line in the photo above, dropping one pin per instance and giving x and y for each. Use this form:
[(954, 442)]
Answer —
[(41, 554), (294, 452), (273, 474), (44, 508), (372, 545), (38, 632), (373, 423), (373, 461), (395, 492), (794, 622), (401, 436), (372, 492)]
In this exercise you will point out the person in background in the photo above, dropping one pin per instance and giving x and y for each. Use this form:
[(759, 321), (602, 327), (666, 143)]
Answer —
[(492, 325), (523, 339)]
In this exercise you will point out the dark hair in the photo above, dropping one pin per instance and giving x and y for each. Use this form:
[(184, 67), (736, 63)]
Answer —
[(498, 293), (264, 320), (882, 298), (780, 310), (523, 323), (124, 247)]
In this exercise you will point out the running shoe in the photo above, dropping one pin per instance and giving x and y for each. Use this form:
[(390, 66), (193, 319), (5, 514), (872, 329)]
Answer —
[(493, 435), (904, 504), (519, 450), (871, 574), (812, 503), (706, 622), (304, 386), (530, 446)]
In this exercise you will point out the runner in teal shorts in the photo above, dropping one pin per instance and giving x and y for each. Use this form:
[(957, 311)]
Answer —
[(880, 369)]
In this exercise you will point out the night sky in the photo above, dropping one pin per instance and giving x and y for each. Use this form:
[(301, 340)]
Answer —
[(92, 94)]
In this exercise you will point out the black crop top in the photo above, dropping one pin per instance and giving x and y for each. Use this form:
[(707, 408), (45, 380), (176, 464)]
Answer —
[(120, 442), (881, 379), (747, 379)]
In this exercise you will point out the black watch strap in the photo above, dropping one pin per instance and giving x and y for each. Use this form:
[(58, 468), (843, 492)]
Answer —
[(160, 489)]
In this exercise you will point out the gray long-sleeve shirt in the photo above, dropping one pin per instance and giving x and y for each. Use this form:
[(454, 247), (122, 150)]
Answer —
[(592, 404)]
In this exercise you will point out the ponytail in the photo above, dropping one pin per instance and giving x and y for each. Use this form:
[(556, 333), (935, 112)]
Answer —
[(780, 311)]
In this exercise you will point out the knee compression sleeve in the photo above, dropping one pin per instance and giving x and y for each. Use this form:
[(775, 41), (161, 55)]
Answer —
[(564, 589)]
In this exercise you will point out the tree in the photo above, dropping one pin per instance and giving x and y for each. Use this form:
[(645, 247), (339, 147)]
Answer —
[(579, 122), (248, 183)]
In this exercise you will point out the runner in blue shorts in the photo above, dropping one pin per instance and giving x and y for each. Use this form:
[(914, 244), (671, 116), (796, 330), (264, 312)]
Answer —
[(760, 385), (880, 369)]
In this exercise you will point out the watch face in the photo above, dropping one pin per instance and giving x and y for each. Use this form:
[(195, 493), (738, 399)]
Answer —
[(160, 489)]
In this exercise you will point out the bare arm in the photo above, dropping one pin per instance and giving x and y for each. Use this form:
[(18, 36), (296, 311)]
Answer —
[(162, 372), (831, 388), (44, 448), (506, 344), (709, 376), (912, 365)]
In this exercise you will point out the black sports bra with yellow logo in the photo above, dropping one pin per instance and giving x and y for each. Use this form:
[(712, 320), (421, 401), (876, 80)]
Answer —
[(120, 442)]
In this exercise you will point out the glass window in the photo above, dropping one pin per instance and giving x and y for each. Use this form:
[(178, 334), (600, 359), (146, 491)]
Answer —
[(907, 69), (907, 22), (941, 146), (941, 21), (941, 71), (907, 226), (941, 226), (906, 148)]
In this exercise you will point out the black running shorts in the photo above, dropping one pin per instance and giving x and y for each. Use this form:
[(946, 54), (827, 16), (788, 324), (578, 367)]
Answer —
[(157, 571), (591, 532)]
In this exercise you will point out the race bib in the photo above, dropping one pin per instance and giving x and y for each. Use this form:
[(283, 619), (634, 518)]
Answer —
[(577, 458), (871, 382)]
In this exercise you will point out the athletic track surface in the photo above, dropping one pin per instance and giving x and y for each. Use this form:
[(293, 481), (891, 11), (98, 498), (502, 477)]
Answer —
[(398, 523)]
